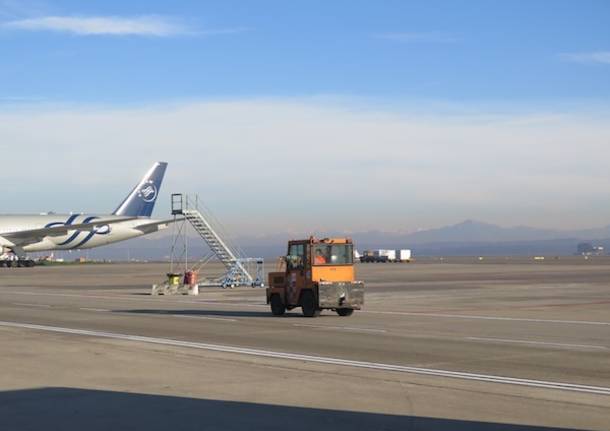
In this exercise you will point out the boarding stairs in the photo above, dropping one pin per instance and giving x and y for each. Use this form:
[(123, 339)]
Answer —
[(224, 254), (231, 257)]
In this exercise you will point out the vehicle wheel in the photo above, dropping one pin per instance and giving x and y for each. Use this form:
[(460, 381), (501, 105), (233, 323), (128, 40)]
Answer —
[(9, 263), (29, 263), (345, 311), (277, 306), (308, 304)]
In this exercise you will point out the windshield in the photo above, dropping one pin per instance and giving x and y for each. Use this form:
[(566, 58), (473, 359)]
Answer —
[(333, 254)]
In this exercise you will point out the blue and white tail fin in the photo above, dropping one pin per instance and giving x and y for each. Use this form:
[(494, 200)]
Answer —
[(141, 201)]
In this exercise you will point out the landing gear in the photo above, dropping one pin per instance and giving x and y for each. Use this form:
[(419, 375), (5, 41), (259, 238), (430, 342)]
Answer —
[(21, 263), (14, 257)]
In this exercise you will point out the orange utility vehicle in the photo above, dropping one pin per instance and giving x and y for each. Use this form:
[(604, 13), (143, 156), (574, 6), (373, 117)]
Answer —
[(317, 275)]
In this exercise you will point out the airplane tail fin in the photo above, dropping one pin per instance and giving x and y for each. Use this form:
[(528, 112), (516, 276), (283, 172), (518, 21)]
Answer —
[(141, 201)]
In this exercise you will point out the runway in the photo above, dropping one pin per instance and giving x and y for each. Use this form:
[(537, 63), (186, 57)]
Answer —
[(462, 345)]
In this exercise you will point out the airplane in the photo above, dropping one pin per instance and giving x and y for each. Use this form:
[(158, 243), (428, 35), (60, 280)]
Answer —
[(20, 234)]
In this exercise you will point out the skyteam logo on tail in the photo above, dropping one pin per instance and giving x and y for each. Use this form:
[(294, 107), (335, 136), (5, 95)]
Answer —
[(148, 191), (141, 200)]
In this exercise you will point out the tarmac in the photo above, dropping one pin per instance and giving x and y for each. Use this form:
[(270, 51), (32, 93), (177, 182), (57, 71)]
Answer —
[(452, 344)]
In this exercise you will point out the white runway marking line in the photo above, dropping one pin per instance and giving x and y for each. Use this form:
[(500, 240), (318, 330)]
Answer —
[(26, 304), (100, 310), (510, 319), (541, 343), (343, 328), (319, 359)]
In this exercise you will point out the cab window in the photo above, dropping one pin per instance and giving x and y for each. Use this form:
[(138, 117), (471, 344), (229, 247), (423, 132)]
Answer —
[(296, 256), (333, 254)]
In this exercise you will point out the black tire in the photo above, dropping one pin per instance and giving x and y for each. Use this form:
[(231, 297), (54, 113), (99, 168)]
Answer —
[(308, 304), (277, 306), (9, 263), (345, 311), (30, 263)]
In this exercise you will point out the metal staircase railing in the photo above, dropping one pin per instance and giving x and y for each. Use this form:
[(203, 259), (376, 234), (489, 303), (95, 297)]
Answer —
[(236, 271)]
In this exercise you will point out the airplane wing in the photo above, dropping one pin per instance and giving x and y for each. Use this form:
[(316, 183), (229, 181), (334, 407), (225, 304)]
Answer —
[(155, 226), (25, 237)]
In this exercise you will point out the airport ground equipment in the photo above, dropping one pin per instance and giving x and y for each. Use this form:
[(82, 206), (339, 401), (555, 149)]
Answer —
[(378, 256), (403, 255), (316, 275), (177, 284), (385, 256), (239, 269)]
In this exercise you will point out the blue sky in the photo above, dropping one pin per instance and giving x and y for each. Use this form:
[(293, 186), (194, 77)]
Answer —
[(466, 51), (412, 114)]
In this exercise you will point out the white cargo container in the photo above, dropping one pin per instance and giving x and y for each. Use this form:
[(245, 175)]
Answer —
[(388, 255), (403, 255)]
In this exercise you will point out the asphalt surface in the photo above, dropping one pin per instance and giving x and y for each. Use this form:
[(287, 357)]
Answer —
[(464, 344)]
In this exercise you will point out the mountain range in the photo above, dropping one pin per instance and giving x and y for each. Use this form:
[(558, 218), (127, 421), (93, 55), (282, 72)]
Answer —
[(468, 238)]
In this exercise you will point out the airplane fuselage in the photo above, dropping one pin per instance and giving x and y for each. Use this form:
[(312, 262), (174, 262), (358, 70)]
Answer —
[(75, 239)]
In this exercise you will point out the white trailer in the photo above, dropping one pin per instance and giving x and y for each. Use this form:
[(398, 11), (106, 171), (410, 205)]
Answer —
[(389, 255), (403, 255)]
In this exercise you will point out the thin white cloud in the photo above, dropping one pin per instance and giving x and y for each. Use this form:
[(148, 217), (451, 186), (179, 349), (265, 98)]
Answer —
[(356, 169), (103, 25), (587, 57), (416, 37)]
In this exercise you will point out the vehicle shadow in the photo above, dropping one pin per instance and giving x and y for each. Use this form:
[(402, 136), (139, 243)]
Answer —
[(72, 409), (214, 313)]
